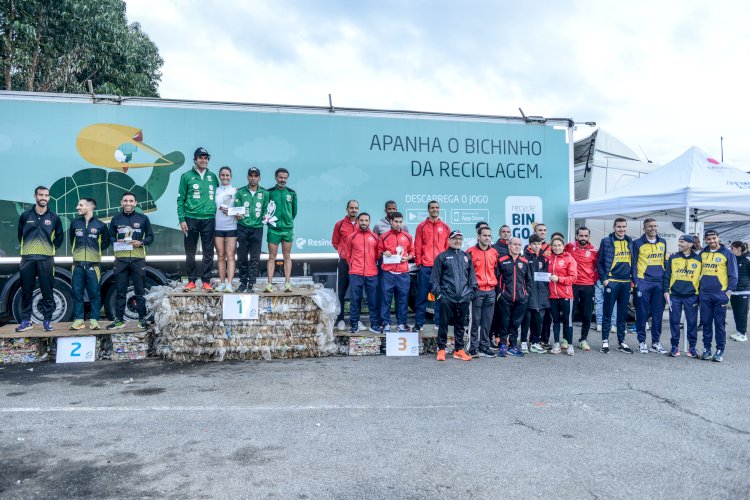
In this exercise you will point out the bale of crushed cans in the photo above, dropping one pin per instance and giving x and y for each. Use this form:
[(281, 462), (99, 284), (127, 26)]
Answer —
[(23, 350), (190, 327)]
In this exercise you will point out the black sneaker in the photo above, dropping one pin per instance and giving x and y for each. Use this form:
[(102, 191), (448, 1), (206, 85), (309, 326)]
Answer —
[(719, 355), (473, 354), (605, 348), (242, 288), (116, 325), (142, 323), (706, 356), (487, 353), (623, 347)]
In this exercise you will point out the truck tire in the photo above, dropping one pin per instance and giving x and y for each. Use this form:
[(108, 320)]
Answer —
[(63, 296), (130, 311)]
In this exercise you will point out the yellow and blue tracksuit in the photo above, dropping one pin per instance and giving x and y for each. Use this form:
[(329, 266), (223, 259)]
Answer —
[(39, 236), (87, 239), (615, 265), (648, 274), (681, 279), (718, 275)]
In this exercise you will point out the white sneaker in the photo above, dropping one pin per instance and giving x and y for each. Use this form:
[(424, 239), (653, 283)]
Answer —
[(658, 348), (374, 330), (613, 329), (228, 288), (743, 338), (555, 348), (735, 336), (598, 328), (570, 352), (221, 287), (403, 328), (525, 347), (341, 326), (361, 327), (643, 348)]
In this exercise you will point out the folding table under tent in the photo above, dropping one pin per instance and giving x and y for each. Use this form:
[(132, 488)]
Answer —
[(692, 187)]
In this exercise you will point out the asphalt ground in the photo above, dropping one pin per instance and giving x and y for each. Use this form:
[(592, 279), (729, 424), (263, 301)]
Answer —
[(541, 426)]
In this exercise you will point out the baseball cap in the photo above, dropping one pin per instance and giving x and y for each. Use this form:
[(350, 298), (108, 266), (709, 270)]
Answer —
[(455, 234), (687, 238), (253, 170), (201, 152)]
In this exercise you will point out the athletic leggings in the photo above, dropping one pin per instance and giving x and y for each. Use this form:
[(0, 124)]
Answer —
[(562, 314)]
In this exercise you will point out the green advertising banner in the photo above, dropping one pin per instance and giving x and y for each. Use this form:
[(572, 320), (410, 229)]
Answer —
[(477, 168)]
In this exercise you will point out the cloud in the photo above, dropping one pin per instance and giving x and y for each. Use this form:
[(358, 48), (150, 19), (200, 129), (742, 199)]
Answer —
[(664, 76)]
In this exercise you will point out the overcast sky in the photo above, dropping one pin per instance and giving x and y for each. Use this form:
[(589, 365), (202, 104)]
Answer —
[(660, 75)]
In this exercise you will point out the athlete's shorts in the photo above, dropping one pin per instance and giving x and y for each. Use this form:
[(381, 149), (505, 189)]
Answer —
[(276, 236), (232, 233)]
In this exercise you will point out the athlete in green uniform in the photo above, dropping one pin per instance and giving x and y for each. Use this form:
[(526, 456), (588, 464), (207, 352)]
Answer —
[(280, 214)]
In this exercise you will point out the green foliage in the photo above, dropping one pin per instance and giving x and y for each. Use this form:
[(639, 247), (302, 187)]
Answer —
[(56, 45)]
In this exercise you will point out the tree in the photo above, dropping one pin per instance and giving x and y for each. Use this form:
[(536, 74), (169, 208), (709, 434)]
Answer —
[(56, 45)]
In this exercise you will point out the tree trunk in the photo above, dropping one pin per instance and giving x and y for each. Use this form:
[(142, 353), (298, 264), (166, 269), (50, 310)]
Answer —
[(8, 59), (37, 48)]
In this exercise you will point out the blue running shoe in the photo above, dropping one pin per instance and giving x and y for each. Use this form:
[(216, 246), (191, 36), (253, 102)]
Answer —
[(719, 355), (515, 351), (692, 353), (502, 352), (706, 354), (47, 326), (25, 325), (674, 352)]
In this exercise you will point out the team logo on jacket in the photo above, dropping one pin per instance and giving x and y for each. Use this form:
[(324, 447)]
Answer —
[(694, 266), (520, 265), (371, 238), (260, 196), (136, 225), (466, 259), (718, 259), (208, 178), (588, 253), (440, 230), (94, 230), (49, 223), (539, 264), (79, 232), (289, 197)]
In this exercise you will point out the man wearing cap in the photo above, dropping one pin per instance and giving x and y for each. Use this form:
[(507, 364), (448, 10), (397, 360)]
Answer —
[(682, 275), (196, 211), (649, 259), (454, 285), (718, 280), (430, 239), (254, 199)]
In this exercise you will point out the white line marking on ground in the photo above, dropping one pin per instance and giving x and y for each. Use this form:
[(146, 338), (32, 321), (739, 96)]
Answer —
[(84, 409)]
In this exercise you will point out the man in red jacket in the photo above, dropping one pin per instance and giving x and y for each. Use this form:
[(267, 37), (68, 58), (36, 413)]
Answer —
[(341, 231), (484, 257), (431, 239), (395, 245), (585, 255), (362, 252)]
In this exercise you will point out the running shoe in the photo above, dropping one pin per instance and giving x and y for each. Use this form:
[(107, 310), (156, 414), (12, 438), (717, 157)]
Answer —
[(584, 345), (525, 347), (658, 348), (692, 353), (24, 326), (623, 347), (502, 352), (268, 288), (190, 286), (361, 326), (460, 354), (538, 349), (116, 325), (403, 328), (94, 324), (47, 326), (515, 351), (706, 354), (743, 338), (718, 356), (353, 330), (142, 323), (221, 287), (642, 348), (598, 328), (441, 355), (341, 326), (555, 349), (288, 287), (674, 352), (242, 288), (228, 288), (385, 329), (416, 328), (474, 354), (78, 325), (206, 287), (570, 351), (375, 330), (563, 344), (605, 348), (486, 353)]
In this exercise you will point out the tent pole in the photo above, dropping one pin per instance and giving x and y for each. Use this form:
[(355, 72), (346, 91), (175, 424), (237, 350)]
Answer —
[(684, 330)]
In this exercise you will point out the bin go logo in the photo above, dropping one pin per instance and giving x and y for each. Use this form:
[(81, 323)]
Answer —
[(521, 213)]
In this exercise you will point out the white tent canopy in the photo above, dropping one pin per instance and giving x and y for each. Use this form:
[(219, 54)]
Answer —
[(692, 187)]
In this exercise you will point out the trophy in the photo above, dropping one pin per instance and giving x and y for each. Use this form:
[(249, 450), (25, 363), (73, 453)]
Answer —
[(128, 234)]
